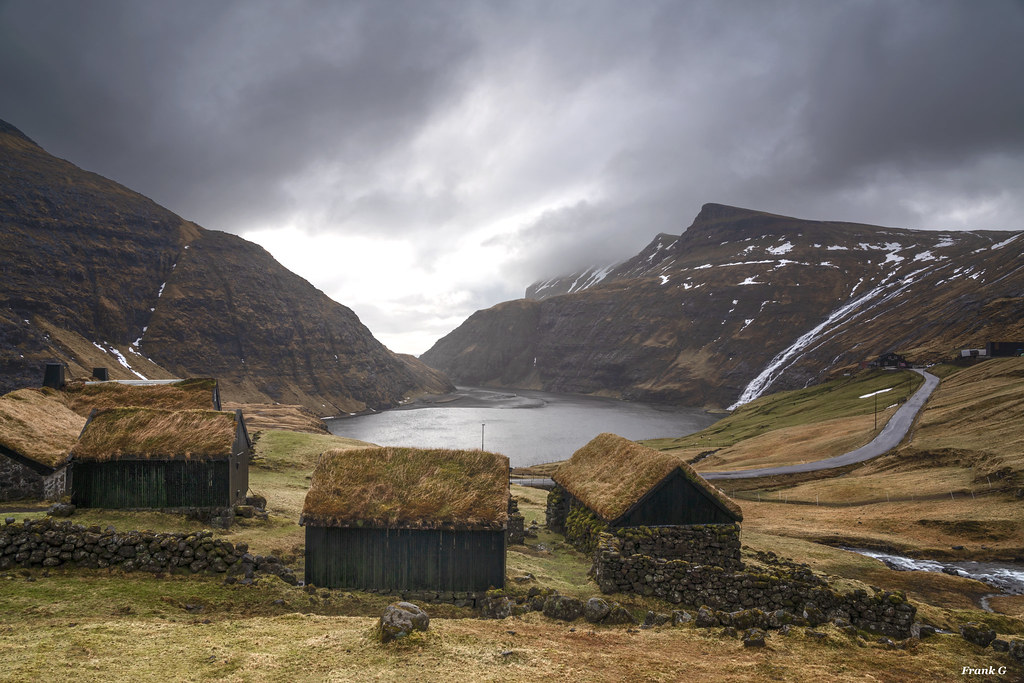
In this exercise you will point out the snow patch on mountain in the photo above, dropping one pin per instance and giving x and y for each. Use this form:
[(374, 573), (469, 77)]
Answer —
[(784, 248), (775, 368)]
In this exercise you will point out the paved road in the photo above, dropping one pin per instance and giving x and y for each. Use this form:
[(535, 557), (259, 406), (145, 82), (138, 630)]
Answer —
[(887, 439)]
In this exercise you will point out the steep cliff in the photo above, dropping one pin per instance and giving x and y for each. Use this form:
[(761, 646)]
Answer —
[(97, 275), (743, 302)]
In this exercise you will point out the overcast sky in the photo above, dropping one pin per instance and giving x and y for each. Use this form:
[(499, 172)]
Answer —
[(420, 160)]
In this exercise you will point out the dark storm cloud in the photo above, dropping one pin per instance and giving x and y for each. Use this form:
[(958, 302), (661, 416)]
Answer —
[(547, 136), (211, 107)]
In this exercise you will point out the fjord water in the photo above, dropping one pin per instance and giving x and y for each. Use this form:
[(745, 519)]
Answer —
[(529, 427)]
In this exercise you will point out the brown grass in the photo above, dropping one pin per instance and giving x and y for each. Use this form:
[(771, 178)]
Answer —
[(266, 416), (978, 409), (797, 444), (610, 474), (38, 425), (313, 647), (409, 488), (150, 433), (189, 394)]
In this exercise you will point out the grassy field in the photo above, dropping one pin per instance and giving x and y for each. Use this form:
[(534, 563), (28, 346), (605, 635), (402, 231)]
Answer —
[(121, 627), (129, 627)]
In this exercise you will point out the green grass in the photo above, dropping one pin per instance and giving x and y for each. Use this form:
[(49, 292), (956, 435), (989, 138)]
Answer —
[(829, 400), (278, 449)]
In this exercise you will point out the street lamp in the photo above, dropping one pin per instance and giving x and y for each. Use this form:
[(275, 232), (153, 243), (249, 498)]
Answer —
[(482, 425)]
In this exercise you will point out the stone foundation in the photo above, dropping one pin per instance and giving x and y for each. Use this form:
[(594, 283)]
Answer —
[(703, 544), (18, 481)]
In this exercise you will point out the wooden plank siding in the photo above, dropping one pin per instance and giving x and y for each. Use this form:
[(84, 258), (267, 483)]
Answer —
[(675, 500), (405, 559), (151, 484)]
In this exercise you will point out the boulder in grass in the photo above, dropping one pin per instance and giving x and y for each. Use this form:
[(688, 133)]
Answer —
[(400, 619), (500, 607), (680, 617), (563, 608), (596, 610), (618, 615), (754, 637), (706, 618), (979, 634)]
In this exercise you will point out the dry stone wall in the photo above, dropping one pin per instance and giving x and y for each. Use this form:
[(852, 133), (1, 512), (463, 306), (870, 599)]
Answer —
[(19, 481), (782, 585), (702, 544), (47, 543), (516, 532)]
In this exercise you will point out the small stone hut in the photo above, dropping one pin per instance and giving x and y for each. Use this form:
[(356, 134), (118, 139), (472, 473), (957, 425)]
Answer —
[(152, 458), (37, 431), (406, 519), (613, 484)]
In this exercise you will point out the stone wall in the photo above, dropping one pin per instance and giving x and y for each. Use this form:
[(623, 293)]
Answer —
[(47, 543), (55, 485), (516, 523), (18, 481), (707, 544), (557, 509), (781, 586)]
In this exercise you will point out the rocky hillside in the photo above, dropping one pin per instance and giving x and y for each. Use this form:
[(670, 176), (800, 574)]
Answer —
[(744, 302), (97, 275)]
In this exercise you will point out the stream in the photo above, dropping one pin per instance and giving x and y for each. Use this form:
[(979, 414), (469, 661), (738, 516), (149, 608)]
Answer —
[(1005, 577)]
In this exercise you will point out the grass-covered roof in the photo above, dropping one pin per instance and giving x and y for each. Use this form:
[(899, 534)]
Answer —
[(611, 474), (408, 488), (149, 433), (188, 394), (37, 425)]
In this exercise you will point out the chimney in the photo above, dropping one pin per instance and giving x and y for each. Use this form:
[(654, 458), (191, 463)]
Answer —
[(101, 374), (54, 376)]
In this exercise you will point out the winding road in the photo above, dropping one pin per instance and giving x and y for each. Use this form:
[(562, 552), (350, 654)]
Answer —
[(887, 439)]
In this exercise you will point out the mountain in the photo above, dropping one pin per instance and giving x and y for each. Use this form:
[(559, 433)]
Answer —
[(99, 276), (742, 302)]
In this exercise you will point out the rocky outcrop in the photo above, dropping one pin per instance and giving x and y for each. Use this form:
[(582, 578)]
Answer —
[(694, 318), (97, 275)]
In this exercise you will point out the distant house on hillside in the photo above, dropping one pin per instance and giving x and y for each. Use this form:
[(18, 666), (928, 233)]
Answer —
[(151, 458), (997, 349), (892, 360), (613, 484), (37, 431), (405, 519)]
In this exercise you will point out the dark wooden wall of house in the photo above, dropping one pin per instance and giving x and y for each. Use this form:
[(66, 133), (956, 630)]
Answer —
[(238, 477), (150, 484), (405, 559), (675, 500)]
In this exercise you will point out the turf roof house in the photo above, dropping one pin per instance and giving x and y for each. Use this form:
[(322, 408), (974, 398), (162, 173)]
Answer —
[(405, 519), (198, 393), (153, 458), (37, 432), (616, 485)]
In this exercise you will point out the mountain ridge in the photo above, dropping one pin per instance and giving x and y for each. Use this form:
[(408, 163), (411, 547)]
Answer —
[(744, 296), (86, 259)]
